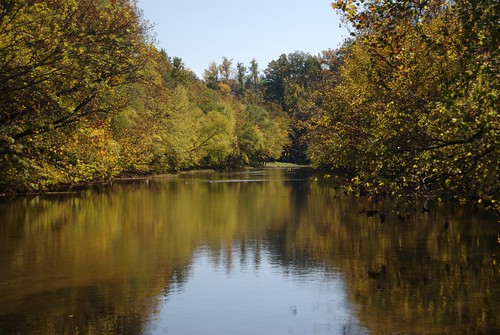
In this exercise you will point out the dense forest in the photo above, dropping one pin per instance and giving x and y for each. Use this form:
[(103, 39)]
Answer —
[(406, 107)]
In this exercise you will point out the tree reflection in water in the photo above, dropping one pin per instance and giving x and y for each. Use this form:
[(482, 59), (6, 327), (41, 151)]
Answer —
[(111, 260)]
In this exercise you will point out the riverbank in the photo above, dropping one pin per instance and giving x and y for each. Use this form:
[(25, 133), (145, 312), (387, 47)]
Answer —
[(17, 190)]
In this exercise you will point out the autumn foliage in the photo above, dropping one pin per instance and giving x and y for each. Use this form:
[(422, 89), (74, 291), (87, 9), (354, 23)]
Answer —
[(407, 107)]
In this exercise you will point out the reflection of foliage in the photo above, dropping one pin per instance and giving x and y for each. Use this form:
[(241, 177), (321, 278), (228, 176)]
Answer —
[(109, 260), (114, 251), (418, 277)]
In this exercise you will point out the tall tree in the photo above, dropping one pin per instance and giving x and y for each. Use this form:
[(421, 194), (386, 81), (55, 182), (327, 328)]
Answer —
[(254, 72), (211, 75), (62, 61), (290, 82), (225, 69), (241, 72), (420, 89)]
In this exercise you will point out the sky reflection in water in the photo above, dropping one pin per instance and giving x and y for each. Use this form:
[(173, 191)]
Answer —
[(243, 293)]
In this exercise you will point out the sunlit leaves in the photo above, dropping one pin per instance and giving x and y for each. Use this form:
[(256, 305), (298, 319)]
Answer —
[(62, 62), (290, 82), (414, 108)]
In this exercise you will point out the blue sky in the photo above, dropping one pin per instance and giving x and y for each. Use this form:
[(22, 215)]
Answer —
[(202, 31)]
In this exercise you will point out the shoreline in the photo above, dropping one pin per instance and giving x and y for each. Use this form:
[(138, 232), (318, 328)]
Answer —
[(11, 192)]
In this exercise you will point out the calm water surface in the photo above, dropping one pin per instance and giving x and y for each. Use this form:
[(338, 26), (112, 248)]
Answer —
[(271, 251)]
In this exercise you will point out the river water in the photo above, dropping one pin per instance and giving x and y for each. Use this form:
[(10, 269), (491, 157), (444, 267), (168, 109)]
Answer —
[(268, 251)]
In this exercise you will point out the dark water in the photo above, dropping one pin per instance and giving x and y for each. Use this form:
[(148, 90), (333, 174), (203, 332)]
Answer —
[(257, 252)]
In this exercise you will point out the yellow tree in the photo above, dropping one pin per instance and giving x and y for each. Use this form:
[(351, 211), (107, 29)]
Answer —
[(415, 110), (61, 62)]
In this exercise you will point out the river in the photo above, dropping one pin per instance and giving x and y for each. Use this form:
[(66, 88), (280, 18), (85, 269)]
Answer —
[(263, 251)]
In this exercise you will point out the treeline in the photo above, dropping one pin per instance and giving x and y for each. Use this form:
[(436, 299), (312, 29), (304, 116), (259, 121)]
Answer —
[(407, 107), (85, 97)]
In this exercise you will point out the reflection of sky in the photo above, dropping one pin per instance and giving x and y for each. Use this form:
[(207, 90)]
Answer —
[(234, 294)]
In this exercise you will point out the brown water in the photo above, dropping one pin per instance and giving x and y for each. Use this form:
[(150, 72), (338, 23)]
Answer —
[(269, 251)]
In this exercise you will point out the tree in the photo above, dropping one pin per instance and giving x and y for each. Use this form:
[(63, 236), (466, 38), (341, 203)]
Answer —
[(241, 71), (290, 82), (254, 72), (211, 75), (414, 113), (61, 62), (261, 137), (225, 69)]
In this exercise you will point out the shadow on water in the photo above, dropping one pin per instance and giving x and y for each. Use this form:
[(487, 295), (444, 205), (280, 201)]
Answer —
[(256, 251)]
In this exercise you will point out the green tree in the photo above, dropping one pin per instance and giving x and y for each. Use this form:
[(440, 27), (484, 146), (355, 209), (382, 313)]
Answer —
[(290, 81), (415, 111), (241, 74), (61, 63), (261, 137), (225, 69), (254, 72), (139, 128), (211, 75)]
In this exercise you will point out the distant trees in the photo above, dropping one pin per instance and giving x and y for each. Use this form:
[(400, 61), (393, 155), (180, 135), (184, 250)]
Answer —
[(85, 97), (241, 75), (261, 136), (261, 130), (239, 78), (290, 82), (173, 124), (211, 75), (254, 72), (286, 88), (225, 69), (408, 106)]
